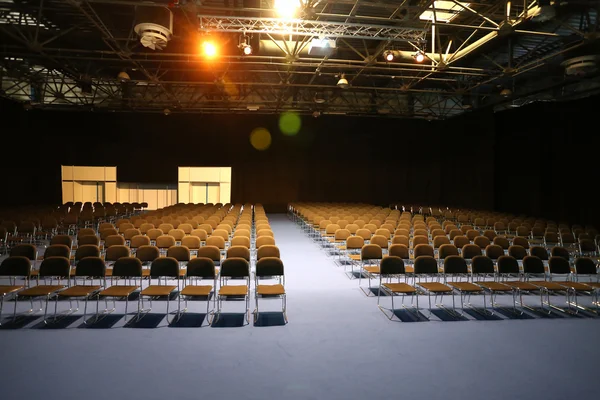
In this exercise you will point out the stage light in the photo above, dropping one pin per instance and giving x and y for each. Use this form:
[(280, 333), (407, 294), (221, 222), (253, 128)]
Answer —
[(209, 49), (246, 49), (287, 8), (389, 56), (419, 56)]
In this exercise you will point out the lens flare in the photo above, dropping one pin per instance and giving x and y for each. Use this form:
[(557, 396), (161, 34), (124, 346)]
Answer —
[(289, 123), (209, 49), (260, 139)]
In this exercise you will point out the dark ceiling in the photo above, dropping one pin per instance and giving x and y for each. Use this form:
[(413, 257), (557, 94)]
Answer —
[(68, 54)]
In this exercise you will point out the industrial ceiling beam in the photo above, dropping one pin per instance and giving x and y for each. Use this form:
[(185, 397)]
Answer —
[(328, 29)]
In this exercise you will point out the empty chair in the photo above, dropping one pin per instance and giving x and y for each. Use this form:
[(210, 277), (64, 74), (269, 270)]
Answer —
[(493, 251), (469, 251), (165, 228), (13, 267), (164, 242), (164, 267), (234, 269), (390, 267), (147, 253), (198, 269), (113, 253), (130, 233), (490, 234), (62, 239), (456, 267), (482, 267), (139, 241), (87, 250), (51, 268), (521, 241), (423, 250), (539, 252), (447, 250), (239, 251), (212, 252), (370, 256), (426, 266), (267, 251), (87, 270), (269, 268), (401, 239), (558, 251)]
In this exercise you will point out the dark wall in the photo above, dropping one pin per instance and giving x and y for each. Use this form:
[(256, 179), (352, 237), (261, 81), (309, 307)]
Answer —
[(330, 159), (546, 160)]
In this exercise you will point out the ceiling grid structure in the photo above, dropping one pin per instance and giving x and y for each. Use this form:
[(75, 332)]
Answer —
[(89, 55)]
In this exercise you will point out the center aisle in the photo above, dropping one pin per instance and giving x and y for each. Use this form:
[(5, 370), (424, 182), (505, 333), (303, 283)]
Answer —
[(318, 290)]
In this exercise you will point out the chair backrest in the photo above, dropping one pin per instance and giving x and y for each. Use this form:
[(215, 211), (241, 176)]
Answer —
[(267, 251), (502, 242), (114, 240), (15, 266), (539, 251), (371, 252), (379, 240), (423, 250), (355, 242), (165, 228), (55, 267), (212, 252), (585, 266), (446, 250), (558, 265), (482, 242), (57, 250), (62, 239), (482, 265), (440, 240), (521, 241), (455, 265), (165, 241), (517, 252), (201, 267), (533, 265), (399, 250), (88, 240), (127, 267), (91, 266), (191, 242), (25, 250), (461, 241), (425, 265), (235, 267), (164, 267), (239, 251), (217, 241), (113, 253), (494, 251), (269, 266), (87, 250), (392, 265), (180, 253), (558, 251), (147, 253), (470, 250), (139, 241), (508, 265)]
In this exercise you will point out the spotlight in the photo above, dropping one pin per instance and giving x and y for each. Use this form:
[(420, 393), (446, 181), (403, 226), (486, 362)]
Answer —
[(166, 111), (246, 49), (343, 82), (209, 49), (506, 92), (287, 8), (389, 56), (419, 56)]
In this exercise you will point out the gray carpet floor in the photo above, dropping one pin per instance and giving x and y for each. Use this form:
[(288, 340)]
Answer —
[(337, 345)]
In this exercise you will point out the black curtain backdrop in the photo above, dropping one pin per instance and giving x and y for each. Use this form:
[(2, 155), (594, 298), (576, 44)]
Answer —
[(532, 160)]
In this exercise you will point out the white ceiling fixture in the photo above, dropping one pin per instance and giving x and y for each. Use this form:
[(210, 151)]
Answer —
[(154, 26), (445, 11)]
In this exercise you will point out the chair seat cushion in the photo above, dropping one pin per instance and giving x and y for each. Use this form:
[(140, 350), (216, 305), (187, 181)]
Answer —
[(41, 290), (435, 287), (4, 289), (196, 290), (495, 286), (400, 287), (577, 286), (79, 291), (118, 291), (466, 286), (158, 290), (233, 290), (372, 269), (548, 285), (521, 285), (270, 290)]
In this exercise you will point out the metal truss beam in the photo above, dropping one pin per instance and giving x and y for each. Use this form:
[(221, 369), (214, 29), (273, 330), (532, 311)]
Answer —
[(297, 27)]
